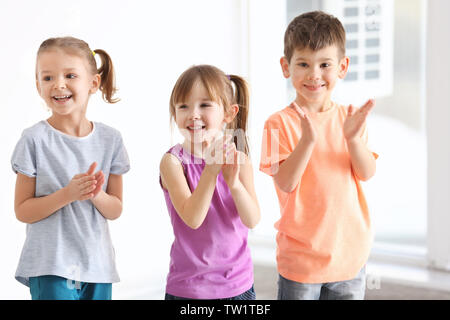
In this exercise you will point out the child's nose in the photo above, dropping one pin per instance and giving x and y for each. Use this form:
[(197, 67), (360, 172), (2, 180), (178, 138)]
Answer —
[(60, 83), (314, 74), (195, 113)]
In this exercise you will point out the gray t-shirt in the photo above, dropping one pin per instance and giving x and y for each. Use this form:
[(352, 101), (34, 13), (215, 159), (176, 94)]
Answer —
[(74, 242)]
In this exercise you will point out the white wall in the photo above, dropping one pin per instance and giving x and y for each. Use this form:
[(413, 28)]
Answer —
[(268, 95), (151, 43)]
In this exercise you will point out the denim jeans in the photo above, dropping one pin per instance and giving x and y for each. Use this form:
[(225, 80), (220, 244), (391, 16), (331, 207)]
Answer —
[(353, 289), (247, 295)]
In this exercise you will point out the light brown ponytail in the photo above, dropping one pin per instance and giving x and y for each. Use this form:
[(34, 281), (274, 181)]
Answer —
[(241, 97), (108, 80)]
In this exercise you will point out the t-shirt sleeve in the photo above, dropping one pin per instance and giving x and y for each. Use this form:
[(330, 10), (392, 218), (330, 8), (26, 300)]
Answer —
[(120, 161), (275, 147), (23, 159)]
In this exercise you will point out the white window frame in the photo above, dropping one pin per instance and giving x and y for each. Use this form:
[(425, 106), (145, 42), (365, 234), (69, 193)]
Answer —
[(438, 133)]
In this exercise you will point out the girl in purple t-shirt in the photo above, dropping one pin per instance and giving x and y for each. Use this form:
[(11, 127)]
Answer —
[(208, 187)]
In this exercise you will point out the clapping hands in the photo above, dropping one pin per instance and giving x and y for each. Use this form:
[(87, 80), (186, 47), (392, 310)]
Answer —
[(86, 185), (355, 120), (308, 129), (353, 124), (221, 155), (231, 168)]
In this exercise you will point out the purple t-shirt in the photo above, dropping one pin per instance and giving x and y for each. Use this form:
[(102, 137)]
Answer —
[(213, 261)]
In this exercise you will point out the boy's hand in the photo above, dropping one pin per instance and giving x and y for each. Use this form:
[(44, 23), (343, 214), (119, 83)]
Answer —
[(355, 120), (308, 129)]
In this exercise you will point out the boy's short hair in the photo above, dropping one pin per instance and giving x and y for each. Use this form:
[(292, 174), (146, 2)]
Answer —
[(314, 30)]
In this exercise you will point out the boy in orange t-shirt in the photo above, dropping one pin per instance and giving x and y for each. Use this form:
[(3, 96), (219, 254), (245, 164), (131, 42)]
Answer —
[(316, 151)]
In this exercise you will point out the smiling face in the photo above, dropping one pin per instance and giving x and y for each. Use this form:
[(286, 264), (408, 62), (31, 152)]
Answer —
[(199, 118), (314, 74), (64, 82)]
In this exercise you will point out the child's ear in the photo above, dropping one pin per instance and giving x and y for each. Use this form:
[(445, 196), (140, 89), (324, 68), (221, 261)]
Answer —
[(285, 67), (343, 67), (232, 112), (96, 81)]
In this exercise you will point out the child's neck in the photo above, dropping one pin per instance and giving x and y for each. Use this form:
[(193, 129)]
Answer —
[(77, 126), (314, 107)]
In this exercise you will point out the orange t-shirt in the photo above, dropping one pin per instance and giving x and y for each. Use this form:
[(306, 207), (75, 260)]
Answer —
[(324, 232)]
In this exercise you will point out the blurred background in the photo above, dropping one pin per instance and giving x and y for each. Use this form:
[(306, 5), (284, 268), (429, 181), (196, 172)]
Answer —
[(394, 51)]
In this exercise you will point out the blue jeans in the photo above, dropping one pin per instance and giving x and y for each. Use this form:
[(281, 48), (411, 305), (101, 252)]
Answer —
[(353, 289), (247, 295), (58, 288)]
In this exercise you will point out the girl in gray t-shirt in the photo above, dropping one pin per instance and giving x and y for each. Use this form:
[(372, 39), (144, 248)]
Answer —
[(69, 179)]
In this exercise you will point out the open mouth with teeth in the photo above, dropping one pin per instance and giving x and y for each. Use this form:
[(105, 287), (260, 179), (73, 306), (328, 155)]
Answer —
[(314, 87), (62, 98), (196, 128)]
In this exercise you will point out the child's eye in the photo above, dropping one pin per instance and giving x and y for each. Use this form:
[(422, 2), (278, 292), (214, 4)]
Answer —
[(303, 64), (71, 76), (203, 105), (183, 106), (325, 65), (47, 78)]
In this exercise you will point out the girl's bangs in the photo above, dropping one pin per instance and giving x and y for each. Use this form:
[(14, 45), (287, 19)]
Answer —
[(210, 80)]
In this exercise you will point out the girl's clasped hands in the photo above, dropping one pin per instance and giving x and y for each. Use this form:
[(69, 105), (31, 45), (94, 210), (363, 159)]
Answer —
[(86, 185), (221, 155)]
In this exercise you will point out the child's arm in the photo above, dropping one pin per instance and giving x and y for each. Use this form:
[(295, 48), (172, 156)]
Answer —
[(291, 170), (108, 203), (363, 161), (191, 207), (239, 178), (30, 209)]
